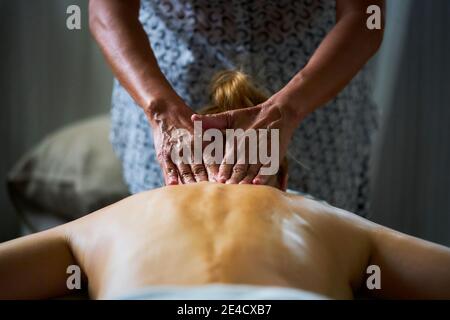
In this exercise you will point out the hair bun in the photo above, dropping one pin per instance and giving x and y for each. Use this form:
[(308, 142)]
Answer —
[(232, 89)]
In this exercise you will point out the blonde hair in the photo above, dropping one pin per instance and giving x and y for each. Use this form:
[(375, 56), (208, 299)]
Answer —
[(231, 90)]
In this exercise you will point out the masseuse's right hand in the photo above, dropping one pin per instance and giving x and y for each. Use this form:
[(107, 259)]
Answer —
[(165, 119)]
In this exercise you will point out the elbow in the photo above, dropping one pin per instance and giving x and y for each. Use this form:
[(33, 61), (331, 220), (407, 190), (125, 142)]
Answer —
[(369, 39), (101, 17), (377, 39), (107, 15), (375, 36), (95, 21)]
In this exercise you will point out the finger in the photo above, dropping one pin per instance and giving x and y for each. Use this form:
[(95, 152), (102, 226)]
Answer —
[(169, 169), (218, 120), (199, 172), (213, 171), (184, 171), (252, 171), (226, 166), (171, 173), (212, 167), (261, 179), (239, 171), (225, 172)]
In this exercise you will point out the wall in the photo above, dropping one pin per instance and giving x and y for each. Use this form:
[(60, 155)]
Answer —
[(412, 160), (50, 76)]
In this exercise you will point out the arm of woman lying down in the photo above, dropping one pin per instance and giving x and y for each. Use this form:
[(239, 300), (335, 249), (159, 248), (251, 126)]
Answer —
[(34, 267), (410, 268)]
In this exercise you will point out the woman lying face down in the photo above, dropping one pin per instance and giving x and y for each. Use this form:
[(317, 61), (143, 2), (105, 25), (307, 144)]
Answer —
[(207, 233)]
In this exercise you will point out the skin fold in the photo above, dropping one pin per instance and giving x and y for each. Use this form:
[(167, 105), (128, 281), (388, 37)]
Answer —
[(216, 233)]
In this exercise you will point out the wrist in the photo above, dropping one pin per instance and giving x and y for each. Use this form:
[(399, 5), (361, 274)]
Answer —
[(295, 98), (162, 108), (289, 105)]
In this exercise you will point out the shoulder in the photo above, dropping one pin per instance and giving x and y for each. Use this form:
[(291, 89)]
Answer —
[(347, 236)]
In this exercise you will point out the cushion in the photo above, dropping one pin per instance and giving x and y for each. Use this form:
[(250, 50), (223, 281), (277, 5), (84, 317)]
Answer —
[(72, 172)]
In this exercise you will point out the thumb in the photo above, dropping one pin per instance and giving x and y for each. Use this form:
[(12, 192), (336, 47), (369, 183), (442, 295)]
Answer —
[(217, 121)]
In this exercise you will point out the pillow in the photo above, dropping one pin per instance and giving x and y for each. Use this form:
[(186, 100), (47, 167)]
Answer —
[(70, 173)]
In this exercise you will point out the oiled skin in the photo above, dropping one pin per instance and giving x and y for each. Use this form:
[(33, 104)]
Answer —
[(214, 233)]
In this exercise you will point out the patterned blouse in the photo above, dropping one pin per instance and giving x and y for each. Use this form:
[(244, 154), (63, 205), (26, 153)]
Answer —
[(270, 41)]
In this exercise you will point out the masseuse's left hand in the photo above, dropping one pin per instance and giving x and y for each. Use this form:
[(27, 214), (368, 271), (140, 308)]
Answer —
[(268, 115)]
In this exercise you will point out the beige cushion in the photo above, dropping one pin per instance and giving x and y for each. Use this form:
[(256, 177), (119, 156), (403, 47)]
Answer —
[(72, 172)]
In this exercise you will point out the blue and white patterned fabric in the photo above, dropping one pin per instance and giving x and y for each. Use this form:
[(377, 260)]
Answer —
[(270, 41)]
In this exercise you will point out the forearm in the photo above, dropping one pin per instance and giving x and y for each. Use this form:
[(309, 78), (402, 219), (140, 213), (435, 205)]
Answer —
[(34, 267), (116, 27), (343, 52)]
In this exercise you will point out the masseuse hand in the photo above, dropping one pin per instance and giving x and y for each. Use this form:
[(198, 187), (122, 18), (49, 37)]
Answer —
[(268, 115), (166, 120)]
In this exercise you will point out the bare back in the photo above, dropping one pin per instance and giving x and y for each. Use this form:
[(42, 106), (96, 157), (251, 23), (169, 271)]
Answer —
[(214, 233)]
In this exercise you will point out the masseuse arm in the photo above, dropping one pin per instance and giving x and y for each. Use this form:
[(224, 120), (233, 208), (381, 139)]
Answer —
[(340, 56), (116, 27), (411, 268), (34, 267)]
